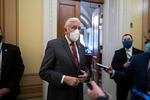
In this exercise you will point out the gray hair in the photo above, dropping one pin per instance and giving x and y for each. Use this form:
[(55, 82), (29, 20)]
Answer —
[(72, 19)]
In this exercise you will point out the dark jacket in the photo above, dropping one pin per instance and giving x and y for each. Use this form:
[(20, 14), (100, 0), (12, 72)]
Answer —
[(12, 68), (58, 61), (120, 57), (136, 72)]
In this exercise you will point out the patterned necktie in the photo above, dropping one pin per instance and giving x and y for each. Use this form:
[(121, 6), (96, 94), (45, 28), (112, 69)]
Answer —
[(128, 54), (74, 52)]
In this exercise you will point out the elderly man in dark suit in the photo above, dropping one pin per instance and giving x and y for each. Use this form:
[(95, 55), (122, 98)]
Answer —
[(63, 66), (120, 63), (11, 70)]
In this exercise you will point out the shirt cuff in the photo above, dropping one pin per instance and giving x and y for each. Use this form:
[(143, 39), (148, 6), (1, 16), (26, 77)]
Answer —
[(62, 80), (113, 73)]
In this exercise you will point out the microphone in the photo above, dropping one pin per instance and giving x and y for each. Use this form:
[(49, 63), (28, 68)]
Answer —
[(102, 66)]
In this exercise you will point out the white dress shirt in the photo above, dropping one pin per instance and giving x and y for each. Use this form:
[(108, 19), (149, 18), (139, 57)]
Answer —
[(128, 53), (148, 65), (69, 42)]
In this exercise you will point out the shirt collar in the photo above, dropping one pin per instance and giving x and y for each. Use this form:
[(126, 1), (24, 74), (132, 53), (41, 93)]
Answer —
[(0, 45), (68, 41), (129, 49)]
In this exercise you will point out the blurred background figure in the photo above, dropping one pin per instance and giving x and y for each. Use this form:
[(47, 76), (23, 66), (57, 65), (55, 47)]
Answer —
[(11, 70), (120, 62), (96, 93)]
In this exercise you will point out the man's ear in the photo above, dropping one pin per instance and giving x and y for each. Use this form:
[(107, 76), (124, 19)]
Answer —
[(65, 29)]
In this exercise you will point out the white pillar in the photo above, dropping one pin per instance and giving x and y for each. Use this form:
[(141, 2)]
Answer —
[(116, 23), (49, 29)]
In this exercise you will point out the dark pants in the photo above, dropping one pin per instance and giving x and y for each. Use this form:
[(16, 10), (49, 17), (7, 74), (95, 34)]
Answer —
[(122, 92), (136, 97), (9, 96), (13, 93)]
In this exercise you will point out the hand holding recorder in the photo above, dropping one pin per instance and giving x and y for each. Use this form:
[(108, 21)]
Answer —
[(108, 69)]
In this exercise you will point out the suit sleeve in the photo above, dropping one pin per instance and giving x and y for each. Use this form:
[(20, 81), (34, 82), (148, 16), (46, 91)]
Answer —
[(19, 69), (127, 75), (116, 64), (47, 70)]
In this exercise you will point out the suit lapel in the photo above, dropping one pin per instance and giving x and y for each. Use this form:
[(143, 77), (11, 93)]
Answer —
[(67, 48), (4, 55), (124, 54), (133, 51), (80, 52), (147, 60)]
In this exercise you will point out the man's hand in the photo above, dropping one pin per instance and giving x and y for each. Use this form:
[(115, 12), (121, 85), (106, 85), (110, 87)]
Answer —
[(109, 70), (126, 64), (82, 77), (95, 92), (71, 81), (4, 91)]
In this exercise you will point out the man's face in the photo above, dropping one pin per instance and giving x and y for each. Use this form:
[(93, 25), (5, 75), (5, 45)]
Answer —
[(127, 38), (72, 27)]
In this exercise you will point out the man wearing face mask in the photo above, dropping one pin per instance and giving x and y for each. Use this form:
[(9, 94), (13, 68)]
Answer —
[(63, 65), (11, 70), (120, 63), (139, 72)]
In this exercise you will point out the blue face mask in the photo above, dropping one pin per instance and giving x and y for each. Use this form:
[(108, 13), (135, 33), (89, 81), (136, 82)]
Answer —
[(127, 43), (148, 47)]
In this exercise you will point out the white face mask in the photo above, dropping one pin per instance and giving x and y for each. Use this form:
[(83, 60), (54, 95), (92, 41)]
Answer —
[(74, 35)]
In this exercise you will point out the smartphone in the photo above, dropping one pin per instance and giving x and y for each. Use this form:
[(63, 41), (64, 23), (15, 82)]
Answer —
[(102, 66)]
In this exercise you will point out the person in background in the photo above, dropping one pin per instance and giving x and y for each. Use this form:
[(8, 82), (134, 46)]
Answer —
[(120, 62), (63, 65), (147, 37), (139, 72), (11, 70)]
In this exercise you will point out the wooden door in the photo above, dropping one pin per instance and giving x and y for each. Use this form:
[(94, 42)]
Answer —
[(95, 1), (66, 9), (8, 20)]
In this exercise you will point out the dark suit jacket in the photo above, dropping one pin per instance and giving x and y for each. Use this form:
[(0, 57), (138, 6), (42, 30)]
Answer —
[(120, 58), (136, 72), (58, 61), (102, 98), (12, 68)]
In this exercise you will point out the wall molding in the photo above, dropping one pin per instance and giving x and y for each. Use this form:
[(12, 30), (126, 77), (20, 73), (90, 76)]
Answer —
[(49, 29), (31, 87)]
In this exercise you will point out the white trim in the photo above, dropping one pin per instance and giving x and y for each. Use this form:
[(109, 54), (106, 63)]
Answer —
[(116, 23), (49, 29)]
